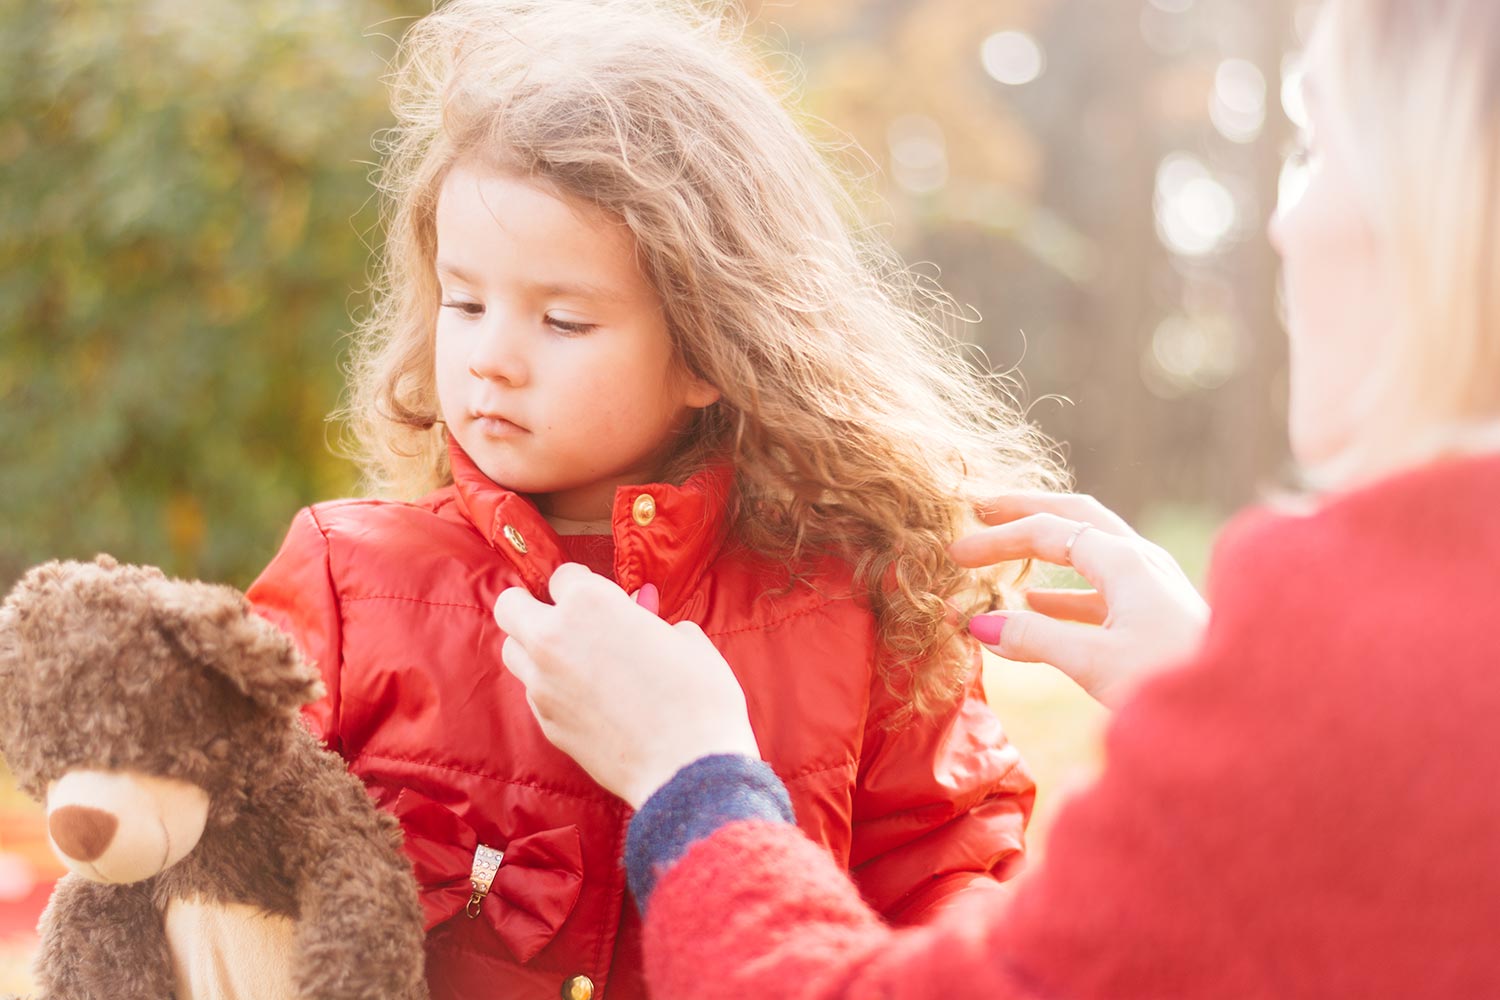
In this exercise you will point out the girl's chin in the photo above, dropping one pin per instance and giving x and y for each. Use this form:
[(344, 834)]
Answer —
[(546, 492)]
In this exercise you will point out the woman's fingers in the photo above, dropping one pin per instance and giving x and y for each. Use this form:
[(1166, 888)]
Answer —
[(1051, 538), (1073, 506), (693, 629), (629, 697), (575, 582), (519, 614), (1086, 606), (1076, 650), (1142, 611), (649, 598), (519, 662)]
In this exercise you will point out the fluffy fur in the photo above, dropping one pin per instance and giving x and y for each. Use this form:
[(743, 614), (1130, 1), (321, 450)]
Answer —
[(119, 669)]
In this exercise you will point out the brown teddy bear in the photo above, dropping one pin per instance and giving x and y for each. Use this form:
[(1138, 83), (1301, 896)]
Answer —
[(215, 850)]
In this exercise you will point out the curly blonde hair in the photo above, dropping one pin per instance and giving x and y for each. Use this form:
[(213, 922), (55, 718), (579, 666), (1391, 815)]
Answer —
[(853, 420)]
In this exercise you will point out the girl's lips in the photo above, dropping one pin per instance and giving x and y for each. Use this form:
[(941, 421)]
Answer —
[(493, 426)]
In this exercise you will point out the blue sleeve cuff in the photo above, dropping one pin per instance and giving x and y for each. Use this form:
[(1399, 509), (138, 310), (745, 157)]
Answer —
[(708, 793)]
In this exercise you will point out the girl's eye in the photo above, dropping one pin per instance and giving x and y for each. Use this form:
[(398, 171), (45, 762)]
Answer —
[(466, 308), (568, 327)]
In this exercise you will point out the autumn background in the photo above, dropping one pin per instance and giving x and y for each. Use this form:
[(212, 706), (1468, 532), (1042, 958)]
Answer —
[(186, 226)]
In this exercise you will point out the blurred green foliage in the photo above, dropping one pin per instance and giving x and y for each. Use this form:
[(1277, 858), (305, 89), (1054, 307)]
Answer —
[(183, 223)]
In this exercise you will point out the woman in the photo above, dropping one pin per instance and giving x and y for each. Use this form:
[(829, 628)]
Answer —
[(1309, 803)]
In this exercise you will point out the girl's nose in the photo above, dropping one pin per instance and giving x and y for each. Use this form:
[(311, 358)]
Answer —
[(499, 356)]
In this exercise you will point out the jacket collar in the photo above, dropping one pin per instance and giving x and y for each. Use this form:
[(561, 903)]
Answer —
[(665, 535)]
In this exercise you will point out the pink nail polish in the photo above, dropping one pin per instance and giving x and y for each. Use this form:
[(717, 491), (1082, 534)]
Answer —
[(987, 628), (649, 598)]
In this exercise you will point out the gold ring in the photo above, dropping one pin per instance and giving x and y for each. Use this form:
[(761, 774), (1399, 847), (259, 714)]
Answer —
[(1072, 539)]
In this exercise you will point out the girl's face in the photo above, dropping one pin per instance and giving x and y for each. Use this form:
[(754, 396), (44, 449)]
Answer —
[(555, 370), (1338, 278)]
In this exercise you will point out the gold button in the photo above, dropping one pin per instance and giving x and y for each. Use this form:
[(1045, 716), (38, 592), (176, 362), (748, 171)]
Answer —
[(514, 537), (644, 510), (578, 988)]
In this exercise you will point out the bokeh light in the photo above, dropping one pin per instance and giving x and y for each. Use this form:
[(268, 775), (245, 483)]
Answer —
[(1190, 352), (919, 154), (1195, 212), (1163, 28), (1238, 106), (1012, 57)]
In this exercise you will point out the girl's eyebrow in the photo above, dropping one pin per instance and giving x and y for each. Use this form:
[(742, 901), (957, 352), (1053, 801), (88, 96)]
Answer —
[(570, 289), (457, 272), (577, 290)]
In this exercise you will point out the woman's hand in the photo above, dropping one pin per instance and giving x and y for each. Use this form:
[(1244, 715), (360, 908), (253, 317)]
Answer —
[(629, 697), (1149, 612)]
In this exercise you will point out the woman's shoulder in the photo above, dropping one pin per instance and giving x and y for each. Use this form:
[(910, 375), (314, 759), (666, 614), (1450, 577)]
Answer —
[(1381, 593), (1368, 617), (1436, 519)]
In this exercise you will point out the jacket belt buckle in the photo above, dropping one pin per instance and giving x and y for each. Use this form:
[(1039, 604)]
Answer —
[(486, 864)]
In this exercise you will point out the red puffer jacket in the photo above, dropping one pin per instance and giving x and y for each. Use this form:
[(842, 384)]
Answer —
[(393, 602)]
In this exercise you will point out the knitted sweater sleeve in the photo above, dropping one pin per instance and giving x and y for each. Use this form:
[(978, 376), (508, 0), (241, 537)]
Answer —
[(709, 793)]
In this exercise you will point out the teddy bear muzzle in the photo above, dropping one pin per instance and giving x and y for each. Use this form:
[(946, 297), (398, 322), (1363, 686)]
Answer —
[(122, 827)]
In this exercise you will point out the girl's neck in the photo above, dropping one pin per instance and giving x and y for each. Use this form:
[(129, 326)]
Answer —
[(586, 510), (567, 526)]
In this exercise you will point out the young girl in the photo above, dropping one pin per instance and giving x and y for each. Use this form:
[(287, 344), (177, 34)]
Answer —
[(1304, 802), (622, 321)]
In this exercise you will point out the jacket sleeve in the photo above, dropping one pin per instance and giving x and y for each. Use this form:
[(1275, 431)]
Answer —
[(297, 594), (940, 806)]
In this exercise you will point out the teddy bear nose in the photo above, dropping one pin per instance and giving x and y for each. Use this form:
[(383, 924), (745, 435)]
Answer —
[(80, 832)]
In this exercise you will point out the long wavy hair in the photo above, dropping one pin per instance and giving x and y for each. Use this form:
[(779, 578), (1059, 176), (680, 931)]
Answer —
[(854, 421)]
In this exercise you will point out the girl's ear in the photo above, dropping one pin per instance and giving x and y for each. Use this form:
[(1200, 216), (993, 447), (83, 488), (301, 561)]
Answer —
[(701, 393)]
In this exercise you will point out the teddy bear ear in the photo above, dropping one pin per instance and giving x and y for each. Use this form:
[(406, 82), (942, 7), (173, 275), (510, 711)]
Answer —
[(215, 625)]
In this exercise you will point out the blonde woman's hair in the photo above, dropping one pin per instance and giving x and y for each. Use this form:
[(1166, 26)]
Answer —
[(854, 423), (1417, 83)]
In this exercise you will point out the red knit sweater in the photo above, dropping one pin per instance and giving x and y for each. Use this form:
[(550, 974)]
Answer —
[(1311, 808)]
